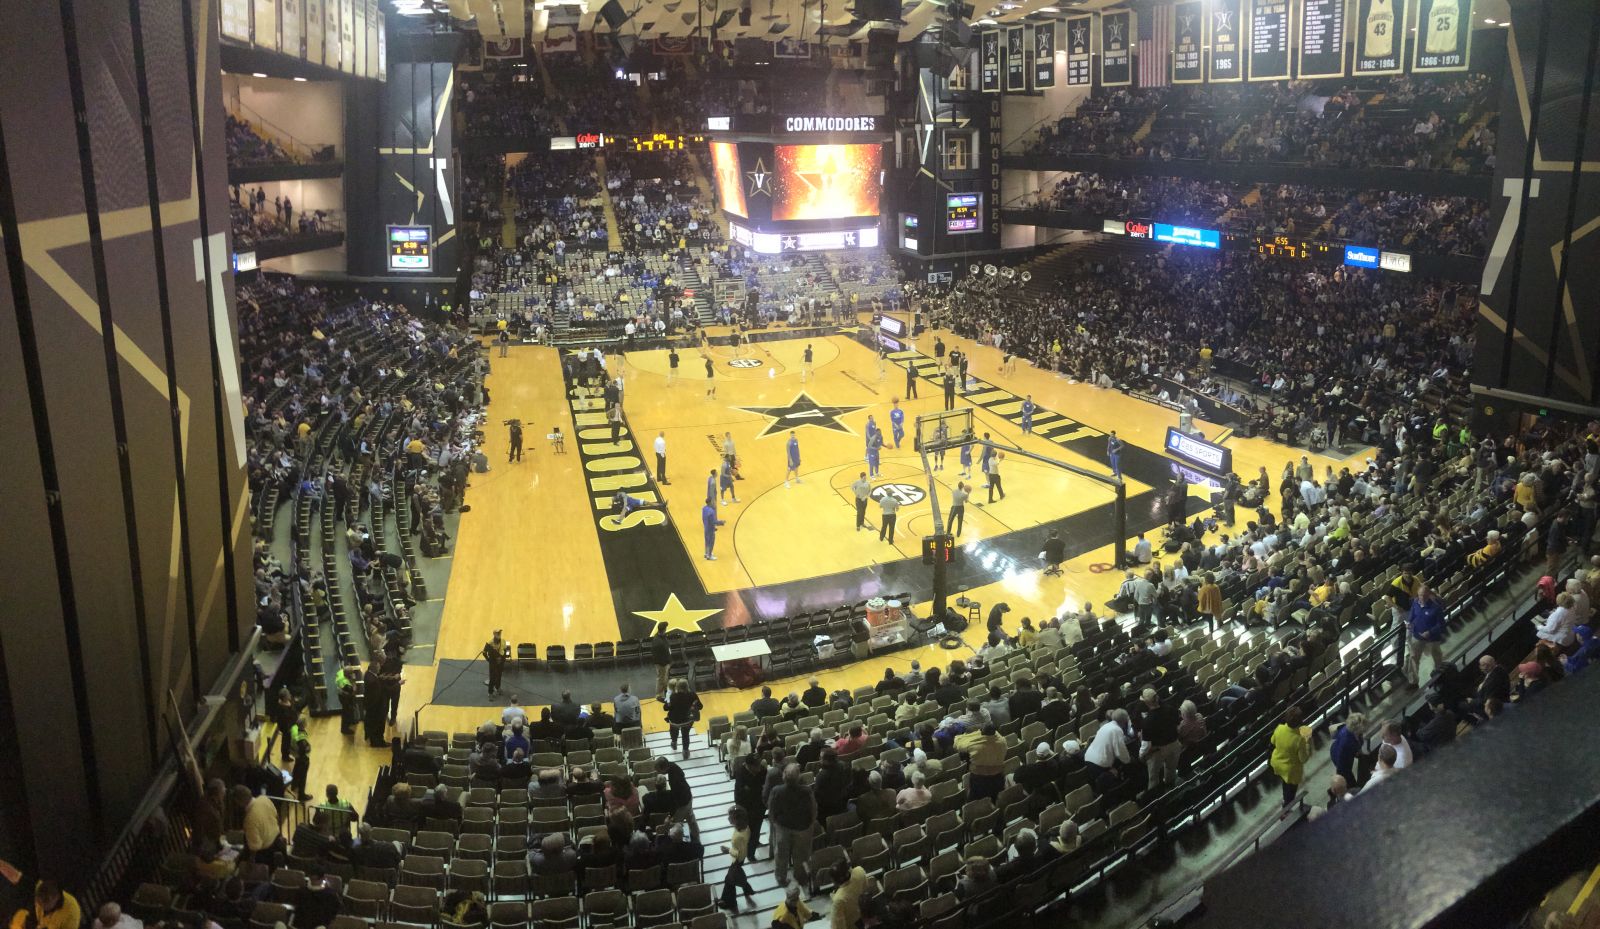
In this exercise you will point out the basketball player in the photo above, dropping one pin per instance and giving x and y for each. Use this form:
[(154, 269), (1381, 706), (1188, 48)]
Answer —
[(1027, 415), (966, 460), (874, 447), (941, 435), (1380, 29), (805, 364), (725, 482), (1442, 26), (1114, 454), (897, 422), (883, 360), (949, 389), (794, 460), (731, 455), (710, 522), (991, 469), (891, 507), (626, 504), (711, 485), (862, 489), (711, 379), (672, 365), (958, 508)]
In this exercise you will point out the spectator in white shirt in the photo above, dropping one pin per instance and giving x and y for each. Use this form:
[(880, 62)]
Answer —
[(1385, 769), (1393, 738), (1558, 628), (1109, 747)]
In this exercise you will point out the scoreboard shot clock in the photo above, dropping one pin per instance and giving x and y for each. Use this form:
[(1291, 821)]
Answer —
[(963, 213), (410, 248)]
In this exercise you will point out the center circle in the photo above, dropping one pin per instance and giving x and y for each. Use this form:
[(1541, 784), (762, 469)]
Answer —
[(907, 494)]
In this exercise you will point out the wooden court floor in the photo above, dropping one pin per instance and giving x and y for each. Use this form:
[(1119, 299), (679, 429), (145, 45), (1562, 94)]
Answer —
[(530, 558)]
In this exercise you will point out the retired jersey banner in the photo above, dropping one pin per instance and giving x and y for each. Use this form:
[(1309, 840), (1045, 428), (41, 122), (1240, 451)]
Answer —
[(1188, 35), (1016, 59), (1271, 24), (1380, 36), (1080, 54), (1224, 23), (989, 62), (1322, 38), (1444, 35), (786, 47), (1116, 58)]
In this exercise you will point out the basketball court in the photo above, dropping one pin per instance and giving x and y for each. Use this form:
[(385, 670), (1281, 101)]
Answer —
[(546, 554)]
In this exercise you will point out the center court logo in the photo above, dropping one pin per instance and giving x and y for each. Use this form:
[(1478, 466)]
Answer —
[(907, 494), (745, 363)]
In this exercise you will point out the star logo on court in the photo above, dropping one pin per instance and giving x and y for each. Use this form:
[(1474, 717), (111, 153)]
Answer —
[(677, 617), (802, 411), (759, 179)]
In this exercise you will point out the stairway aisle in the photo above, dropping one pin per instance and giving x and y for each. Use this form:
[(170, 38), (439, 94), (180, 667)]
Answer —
[(607, 208), (713, 795)]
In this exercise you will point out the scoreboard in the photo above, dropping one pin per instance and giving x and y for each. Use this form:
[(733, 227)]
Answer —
[(410, 248), (963, 213)]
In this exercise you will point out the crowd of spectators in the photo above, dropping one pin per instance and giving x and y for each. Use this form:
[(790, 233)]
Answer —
[(1407, 222), (246, 146), (1429, 124), (254, 220), (504, 103), (1324, 347), (659, 208)]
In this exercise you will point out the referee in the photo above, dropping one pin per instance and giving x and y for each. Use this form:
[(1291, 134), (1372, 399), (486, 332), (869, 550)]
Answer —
[(862, 488)]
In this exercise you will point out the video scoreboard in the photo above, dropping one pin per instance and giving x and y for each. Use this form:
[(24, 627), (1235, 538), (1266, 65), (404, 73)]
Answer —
[(963, 213), (410, 248)]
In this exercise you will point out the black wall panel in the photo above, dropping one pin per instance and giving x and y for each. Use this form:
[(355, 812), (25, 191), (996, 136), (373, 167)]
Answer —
[(1538, 333), (127, 556)]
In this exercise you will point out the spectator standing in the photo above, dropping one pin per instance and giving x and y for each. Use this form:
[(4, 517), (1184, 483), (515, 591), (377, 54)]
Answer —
[(683, 708), (1426, 625), (852, 884), (682, 796), (792, 812), (1290, 749), (1160, 729), (749, 787), (737, 850)]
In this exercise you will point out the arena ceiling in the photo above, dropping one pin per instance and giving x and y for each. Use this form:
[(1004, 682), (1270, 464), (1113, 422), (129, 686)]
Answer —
[(771, 20)]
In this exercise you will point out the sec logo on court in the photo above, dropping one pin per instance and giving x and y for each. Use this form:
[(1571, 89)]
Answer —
[(907, 494), (745, 363)]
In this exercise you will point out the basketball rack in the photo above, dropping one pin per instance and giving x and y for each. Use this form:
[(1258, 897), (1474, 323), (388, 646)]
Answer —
[(948, 429)]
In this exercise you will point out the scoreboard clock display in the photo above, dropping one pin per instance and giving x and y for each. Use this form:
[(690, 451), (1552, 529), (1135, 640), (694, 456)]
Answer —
[(1282, 246), (661, 142), (410, 248), (963, 213)]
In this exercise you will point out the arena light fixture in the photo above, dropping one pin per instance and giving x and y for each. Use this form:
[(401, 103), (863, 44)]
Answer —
[(257, 74), (1488, 21), (301, 79)]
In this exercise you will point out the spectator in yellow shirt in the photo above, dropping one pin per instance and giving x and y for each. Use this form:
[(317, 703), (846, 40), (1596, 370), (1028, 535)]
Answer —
[(792, 913), (261, 832), (53, 908)]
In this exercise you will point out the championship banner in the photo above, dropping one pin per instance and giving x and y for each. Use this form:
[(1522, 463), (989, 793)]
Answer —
[(291, 27), (1380, 36), (265, 33), (1079, 50), (1188, 35), (1016, 60), (332, 50), (1444, 35), (560, 40), (989, 63), (1116, 61), (1223, 26), (1044, 55), (507, 47), (1271, 24), (314, 24), (1322, 38), (786, 47), (236, 20)]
